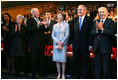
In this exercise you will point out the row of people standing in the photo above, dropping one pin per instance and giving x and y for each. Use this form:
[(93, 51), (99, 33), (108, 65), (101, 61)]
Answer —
[(83, 35), (18, 37), (14, 35)]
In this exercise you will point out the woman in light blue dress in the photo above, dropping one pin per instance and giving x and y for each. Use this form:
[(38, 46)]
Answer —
[(60, 35)]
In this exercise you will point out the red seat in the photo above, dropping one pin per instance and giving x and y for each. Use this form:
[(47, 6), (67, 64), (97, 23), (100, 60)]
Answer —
[(2, 46), (114, 53), (91, 54), (50, 48)]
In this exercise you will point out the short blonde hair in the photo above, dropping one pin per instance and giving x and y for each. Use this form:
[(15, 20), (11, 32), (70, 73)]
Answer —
[(20, 16)]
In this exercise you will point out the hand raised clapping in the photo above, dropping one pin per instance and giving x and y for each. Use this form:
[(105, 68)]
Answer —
[(99, 26)]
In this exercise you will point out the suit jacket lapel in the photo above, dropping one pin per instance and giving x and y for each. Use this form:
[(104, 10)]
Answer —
[(84, 23), (106, 21), (34, 21), (98, 20), (50, 23)]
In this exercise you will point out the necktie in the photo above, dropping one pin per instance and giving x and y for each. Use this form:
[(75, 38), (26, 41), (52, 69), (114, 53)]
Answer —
[(80, 23), (102, 21), (48, 22), (99, 32), (37, 20)]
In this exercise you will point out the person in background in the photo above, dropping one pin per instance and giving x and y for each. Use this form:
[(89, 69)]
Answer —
[(69, 22), (48, 23), (6, 27), (18, 47), (60, 35)]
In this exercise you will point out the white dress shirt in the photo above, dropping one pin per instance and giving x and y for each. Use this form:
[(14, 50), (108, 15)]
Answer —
[(103, 20), (82, 19), (37, 22)]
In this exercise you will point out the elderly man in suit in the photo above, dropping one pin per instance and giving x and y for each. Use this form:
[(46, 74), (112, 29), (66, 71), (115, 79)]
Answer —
[(80, 41), (102, 32), (36, 43)]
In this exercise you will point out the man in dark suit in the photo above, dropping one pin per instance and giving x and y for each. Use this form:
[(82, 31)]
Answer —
[(36, 43), (114, 39), (80, 41), (102, 32), (48, 28)]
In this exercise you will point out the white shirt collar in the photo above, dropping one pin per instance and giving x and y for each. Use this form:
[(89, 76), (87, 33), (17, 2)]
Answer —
[(103, 20), (35, 18), (82, 18), (49, 21)]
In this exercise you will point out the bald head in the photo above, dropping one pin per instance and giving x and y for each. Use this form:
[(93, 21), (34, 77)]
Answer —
[(35, 12), (103, 12), (81, 10)]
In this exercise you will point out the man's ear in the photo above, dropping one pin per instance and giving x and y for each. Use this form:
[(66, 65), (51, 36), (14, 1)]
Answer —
[(32, 14)]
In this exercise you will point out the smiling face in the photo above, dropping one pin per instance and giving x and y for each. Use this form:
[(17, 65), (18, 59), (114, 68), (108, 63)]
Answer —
[(35, 13), (59, 17), (103, 13), (6, 17), (19, 20), (81, 10)]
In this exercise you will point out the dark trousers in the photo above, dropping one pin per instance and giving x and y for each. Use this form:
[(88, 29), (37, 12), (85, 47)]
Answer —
[(37, 61), (102, 64), (21, 64), (80, 64)]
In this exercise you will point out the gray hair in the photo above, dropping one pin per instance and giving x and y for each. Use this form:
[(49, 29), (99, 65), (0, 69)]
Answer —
[(20, 16), (102, 8), (84, 7), (33, 10)]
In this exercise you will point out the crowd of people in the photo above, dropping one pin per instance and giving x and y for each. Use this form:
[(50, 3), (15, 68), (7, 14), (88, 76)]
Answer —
[(82, 28)]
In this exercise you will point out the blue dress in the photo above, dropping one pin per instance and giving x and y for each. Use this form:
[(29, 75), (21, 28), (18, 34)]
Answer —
[(60, 34)]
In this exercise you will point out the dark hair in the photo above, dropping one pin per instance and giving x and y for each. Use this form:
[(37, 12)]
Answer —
[(63, 14), (48, 11), (3, 17)]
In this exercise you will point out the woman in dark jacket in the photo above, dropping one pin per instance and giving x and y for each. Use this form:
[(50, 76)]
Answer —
[(5, 30), (18, 43)]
